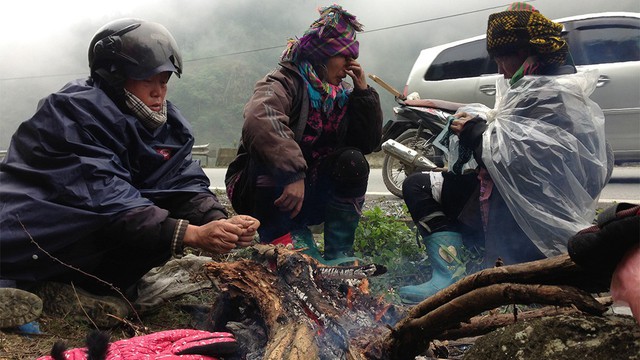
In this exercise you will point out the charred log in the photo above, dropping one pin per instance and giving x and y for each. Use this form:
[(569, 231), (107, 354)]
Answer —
[(552, 271), (542, 282), (413, 336)]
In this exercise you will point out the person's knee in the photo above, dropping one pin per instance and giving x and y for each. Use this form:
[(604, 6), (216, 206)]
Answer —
[(414, 183), (350, 173), (351, 165)]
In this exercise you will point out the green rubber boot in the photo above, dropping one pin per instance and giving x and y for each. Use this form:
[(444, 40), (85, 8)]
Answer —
[(340, 223), (443, 249), (303, 238)]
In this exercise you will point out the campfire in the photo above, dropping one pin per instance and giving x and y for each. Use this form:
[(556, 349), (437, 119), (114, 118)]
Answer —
[(289, 306), (285, 305)]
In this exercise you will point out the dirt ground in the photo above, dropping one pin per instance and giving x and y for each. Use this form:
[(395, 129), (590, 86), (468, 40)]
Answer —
[(561, 337), (175, 314)]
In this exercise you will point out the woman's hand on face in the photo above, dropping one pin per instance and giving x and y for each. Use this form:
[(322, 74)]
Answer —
[(355, 72), (291, 198), (459, 122)]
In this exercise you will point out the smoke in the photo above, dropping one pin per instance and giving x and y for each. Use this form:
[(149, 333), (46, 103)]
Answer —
[(44, 44)]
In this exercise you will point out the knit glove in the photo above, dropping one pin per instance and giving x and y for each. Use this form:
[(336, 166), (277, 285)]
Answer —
[(600, 248), (171, 344)]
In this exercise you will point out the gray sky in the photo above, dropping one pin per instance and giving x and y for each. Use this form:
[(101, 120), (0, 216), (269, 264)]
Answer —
[(44, 42)]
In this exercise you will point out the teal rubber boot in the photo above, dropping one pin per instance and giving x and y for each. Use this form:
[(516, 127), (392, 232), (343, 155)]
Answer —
[(303, 238), (340, 223), (443, 249)]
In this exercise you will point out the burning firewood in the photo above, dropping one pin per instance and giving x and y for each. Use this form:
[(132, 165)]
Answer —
[(303, 306), (286, 305)]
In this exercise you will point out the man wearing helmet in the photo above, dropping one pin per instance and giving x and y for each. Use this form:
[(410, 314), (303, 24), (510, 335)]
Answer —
[(101, 181)]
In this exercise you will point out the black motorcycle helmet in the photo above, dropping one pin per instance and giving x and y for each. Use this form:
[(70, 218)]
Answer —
[(132, 48)]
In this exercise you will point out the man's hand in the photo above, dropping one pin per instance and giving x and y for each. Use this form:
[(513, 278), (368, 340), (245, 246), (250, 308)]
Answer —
[(355, 72), (222, 236), (250, 226), (291, 198)]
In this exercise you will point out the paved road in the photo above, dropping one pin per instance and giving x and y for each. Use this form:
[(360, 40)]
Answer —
[(624, 185)]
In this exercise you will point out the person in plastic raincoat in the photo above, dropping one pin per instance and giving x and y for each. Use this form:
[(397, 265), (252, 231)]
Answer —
[(100, 184), (541, 158)]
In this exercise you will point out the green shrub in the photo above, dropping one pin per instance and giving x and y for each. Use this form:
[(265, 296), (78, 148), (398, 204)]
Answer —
[(389, 239), (386, 239)]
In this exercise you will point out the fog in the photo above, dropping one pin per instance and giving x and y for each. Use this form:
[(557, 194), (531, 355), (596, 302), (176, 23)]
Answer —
[(44, 43)]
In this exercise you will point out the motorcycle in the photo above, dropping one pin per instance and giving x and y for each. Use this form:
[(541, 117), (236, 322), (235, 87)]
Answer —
[(408, 139)]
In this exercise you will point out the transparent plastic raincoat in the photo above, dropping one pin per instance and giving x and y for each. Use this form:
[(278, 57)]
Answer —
[(546, 153)]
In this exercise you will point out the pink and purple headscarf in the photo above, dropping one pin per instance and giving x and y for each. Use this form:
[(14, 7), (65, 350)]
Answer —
[(334, 33)]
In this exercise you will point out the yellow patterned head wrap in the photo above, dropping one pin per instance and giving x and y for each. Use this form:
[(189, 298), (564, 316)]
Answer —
[(522, 26)]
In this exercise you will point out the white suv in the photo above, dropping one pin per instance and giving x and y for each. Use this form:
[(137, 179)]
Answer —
[(462, 71)]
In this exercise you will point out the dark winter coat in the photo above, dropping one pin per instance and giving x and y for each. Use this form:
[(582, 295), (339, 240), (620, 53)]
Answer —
[(275, 118), (82, 177)]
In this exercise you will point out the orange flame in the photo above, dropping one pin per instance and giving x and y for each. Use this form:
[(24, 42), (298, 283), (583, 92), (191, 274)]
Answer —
[(381, 313), (364, 286)]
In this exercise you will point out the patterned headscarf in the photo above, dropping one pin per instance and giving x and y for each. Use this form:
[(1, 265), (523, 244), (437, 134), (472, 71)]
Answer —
[(521, 25), (334, 33)]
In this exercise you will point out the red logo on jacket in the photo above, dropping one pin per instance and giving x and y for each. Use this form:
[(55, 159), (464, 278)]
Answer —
[(166, 153)]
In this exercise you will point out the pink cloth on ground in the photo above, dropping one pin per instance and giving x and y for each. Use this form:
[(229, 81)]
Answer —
[(163, 345)]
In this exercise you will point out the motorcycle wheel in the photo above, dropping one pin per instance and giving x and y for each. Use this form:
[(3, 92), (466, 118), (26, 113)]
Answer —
[(394, 171)]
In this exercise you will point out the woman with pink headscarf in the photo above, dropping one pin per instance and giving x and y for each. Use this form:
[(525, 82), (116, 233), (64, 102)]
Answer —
[(301, 158)]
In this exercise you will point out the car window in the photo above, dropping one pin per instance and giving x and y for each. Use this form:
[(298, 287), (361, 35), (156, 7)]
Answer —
[(603, 44), (462, 61)]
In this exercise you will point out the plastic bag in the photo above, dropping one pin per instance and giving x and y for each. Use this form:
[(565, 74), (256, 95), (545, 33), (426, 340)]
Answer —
[(545, 151), (460, 159)]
